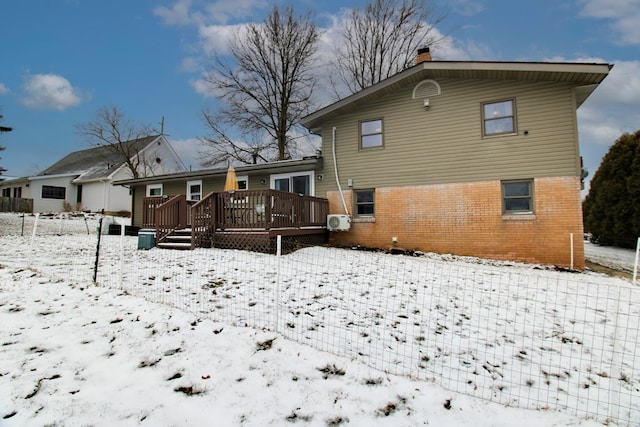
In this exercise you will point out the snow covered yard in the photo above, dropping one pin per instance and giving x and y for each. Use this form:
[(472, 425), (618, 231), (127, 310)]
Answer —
[(609, 256), (517, 334), (86, 355)]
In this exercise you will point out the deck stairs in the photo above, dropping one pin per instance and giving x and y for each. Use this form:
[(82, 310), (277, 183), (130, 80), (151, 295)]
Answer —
[(178, 239)]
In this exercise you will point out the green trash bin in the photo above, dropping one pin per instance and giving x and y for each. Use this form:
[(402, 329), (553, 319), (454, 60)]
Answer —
[(146, 238)]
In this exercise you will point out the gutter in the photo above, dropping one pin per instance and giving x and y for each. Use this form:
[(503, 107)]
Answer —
[(286, 165)]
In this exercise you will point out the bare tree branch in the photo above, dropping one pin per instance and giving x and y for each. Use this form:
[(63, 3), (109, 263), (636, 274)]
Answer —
[(265, 91), (112, 130), (381, 40)]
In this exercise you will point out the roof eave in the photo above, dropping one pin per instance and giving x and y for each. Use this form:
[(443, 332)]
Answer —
[(573, 72), (281, 166), (60, 175)]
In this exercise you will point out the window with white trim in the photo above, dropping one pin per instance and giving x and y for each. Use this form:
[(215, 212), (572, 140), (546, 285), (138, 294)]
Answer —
[(154, 190), (499, 118), (194, 190), (243, 182), (517, 197)]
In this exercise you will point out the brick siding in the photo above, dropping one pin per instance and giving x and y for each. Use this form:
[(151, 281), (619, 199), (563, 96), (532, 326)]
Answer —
[(466, 219)]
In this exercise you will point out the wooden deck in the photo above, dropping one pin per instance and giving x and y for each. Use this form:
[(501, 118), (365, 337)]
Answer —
[(222, 218)]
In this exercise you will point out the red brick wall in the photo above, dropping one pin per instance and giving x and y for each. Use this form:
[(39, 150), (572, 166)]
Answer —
[(466, 219)]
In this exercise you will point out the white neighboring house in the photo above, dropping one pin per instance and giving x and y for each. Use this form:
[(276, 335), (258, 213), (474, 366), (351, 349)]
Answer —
[(83, 179)]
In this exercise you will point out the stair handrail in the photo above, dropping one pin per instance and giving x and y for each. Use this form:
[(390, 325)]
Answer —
[(170, 215), (203, 219)]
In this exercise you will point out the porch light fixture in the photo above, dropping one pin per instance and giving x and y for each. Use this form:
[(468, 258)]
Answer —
[(426, 104)]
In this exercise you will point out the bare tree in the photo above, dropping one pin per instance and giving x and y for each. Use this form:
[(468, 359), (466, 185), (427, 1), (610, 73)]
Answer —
[(3, 129), (119, 135), (381, 40), (264, 90)]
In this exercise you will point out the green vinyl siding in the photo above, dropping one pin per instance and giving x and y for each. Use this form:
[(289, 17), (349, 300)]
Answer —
[(445, 143), (179, 186)]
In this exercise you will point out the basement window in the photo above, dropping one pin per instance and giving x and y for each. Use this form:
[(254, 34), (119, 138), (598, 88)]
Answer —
[(517, 197), (365, 203)]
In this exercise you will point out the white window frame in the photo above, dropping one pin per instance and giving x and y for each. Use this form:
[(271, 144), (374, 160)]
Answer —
[(311, 174), (154, 187), (190, 194), (243, 178)]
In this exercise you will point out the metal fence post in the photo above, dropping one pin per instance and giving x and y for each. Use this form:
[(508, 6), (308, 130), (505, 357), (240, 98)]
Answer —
[(85, 223), (95, 267)]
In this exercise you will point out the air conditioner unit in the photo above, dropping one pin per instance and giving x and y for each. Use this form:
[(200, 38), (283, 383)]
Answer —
[(338, 222)]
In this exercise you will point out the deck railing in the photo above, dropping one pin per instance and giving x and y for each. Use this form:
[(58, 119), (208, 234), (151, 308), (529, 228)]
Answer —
[(244, 210), (170, 216), (203, 219), (269, 209), (149, 205)]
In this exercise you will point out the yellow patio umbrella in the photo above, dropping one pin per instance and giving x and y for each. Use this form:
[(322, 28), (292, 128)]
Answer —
[(231, 183)]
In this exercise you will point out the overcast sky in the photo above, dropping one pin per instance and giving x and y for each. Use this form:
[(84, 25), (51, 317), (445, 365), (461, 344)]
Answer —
[(62, 60)]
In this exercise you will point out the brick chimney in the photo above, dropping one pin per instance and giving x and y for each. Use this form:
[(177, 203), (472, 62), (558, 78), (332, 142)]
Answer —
[(423, 55)]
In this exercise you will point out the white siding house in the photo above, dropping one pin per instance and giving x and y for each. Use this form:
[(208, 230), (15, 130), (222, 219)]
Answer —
[(82, 180)]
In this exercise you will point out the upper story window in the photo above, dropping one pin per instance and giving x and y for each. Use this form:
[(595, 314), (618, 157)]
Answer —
[(517, 196), (51, 192), (371, 134), (365, 203), (194, 190), (154, 190), (499, 118)]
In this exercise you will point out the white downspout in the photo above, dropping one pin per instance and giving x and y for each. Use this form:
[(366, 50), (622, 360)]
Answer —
[(335, 168)]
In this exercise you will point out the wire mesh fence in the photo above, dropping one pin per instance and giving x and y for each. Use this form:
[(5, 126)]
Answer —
[(521, 335)]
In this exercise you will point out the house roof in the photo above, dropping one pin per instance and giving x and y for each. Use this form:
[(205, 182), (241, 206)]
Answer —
[(585, 76), (95, 163), (284, 166)]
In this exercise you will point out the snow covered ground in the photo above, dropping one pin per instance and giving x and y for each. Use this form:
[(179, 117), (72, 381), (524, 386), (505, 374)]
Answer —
[(522, 335), (612, 257)]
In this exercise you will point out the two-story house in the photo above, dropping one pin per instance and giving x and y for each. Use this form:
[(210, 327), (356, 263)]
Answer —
[(467, 158), (463, 157)]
